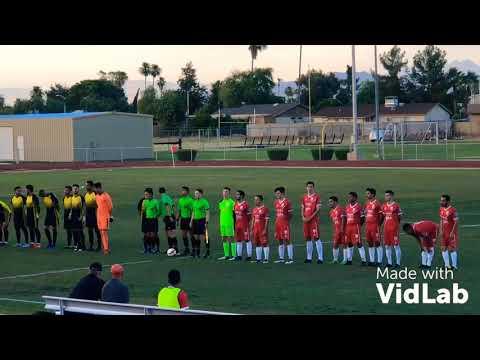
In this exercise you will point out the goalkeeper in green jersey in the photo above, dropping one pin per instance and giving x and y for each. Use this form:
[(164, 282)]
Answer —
[(227, 225)]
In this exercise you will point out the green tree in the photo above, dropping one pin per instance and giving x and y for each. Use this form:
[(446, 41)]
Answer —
[(188, 82), (97, 95), (145, 71), (214, 98), (460, 88), (393, 61), (345, 92), (22, 106), (2, 102), (203, 118), (118, 78), (37, 99), (148, 103), (254, 51), (56, 96), (290, 94), (168, 110), (366, 92), (322, 86), (155, 71)]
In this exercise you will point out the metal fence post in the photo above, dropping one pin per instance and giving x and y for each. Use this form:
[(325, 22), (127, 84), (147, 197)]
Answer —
[(416, 151), (121, 155), (454, 154), (436, 132), (256, 152), (156, 155), (224, 151), (395, 135), (401, 135), (446, 150), (191, 154), (289, 152)]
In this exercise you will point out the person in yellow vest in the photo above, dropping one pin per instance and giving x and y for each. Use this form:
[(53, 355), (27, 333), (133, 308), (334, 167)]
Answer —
[(91, 217), (171, 296), (51, 217), (67, 207), (5, 216), (18, 206), (33, 215)]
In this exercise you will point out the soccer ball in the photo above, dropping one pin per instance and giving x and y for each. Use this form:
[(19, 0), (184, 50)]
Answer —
[(171, 252)]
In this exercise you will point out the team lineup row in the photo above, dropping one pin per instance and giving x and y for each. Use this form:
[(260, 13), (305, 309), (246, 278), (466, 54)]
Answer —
[(240, 225)]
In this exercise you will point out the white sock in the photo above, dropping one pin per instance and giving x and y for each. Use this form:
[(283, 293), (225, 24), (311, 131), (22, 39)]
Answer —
[(258, 250), (424, 257), (249, 248), (345, 254), (290, 251), (239, 248), (453, 254), (335, 254), (429, 258), (446, 258), (350, 253), (398, 254), (371, 254), (309, 250), (319, 247), (388, 253), (281, 252), (361, 251), (380, 254), (266, 251)]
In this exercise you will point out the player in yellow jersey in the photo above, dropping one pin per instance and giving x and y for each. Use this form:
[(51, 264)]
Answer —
[(18, 206), (5, 217), (67, 206), (91, 217), (51, 217), (76, 218), (33, 215)]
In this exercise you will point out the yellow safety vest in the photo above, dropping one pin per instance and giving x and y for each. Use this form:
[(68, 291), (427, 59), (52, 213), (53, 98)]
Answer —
[(168, 298)]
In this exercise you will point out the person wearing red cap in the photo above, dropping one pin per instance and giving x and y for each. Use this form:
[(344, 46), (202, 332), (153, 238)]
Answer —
[(115, 290)]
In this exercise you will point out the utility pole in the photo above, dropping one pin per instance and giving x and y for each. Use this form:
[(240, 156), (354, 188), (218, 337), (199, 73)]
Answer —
[(377, 120), (309, 97), (188, 108), (299, 73), (354, 101)]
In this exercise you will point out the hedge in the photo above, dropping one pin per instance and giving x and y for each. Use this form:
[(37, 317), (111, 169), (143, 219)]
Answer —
[(277, 154), (186, 154), (322, 154), (341, 154)]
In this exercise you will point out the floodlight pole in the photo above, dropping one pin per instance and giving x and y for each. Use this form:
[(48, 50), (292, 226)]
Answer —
[(354, 101), (377, 120), (309, 97)]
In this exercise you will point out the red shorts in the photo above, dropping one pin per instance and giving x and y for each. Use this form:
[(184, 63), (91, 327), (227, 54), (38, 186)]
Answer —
[(428, 243), (241, 233), (372, 234), (352, 234), (259, 238), (391, 237), (338, 239), (310, 230), (282, 231), (449, 243)]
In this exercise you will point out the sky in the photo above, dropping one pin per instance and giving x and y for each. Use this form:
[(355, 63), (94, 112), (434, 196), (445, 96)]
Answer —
[(43, 65)]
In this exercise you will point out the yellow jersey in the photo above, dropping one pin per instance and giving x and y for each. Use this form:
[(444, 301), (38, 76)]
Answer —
[(67, 202), (77, 202), (90, 201), (18, 202)]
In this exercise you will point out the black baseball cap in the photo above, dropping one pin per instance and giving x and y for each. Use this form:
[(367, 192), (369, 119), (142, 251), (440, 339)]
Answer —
[(96, 266)]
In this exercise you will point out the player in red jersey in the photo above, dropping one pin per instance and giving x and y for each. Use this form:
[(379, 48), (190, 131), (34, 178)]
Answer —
[(426, 232), (242, 225), (310, 206), (373, 220), (392, 214), (449, 231), (283, 215), (355, 220), (259, 229), (337, 215)]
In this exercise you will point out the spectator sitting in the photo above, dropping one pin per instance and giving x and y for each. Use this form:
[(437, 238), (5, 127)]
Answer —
[(90, 286), (115, 290), (171, 296)]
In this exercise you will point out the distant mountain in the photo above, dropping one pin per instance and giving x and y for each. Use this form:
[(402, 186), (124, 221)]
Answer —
[(465, 66), (131, 87), (10, 94)]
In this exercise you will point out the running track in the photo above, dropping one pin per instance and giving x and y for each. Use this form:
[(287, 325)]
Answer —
[(244, 163)]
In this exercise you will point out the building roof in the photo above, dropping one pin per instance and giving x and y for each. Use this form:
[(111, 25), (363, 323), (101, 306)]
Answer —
[(368, 110), (72, 115), (260, 109)]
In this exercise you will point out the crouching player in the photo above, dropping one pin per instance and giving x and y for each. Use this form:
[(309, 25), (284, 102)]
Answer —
[(426, 233), (259, 229), (242, 226), (449, 231), (337, 215)]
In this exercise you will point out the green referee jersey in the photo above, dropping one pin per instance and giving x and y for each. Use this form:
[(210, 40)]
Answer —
[(199, 208), (185, 204), (151, 208), (226, 207), (164, 201)]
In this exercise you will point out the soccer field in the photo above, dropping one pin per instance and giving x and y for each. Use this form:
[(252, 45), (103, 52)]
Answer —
[(245, 287)]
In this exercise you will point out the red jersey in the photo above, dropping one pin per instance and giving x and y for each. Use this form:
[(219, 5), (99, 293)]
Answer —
[(310, 204), (260, 216), (392, 213), (242, 214), (336, 216), (354, 213), (448, 217), (373, 210), (283, 210), (425, 229)]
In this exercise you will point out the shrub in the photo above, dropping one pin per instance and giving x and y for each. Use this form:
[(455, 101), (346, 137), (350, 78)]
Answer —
[(322, 154), (341, 154), (186, 154), (277, 154)]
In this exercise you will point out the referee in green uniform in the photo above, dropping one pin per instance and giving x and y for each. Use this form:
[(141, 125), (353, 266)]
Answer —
[(168, 215), (184, 214)]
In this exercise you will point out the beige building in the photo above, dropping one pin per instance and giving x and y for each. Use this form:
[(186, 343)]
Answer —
[(76, 136)]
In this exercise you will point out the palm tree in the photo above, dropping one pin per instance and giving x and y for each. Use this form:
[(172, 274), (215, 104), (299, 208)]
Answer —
[(145, 71), (278, 84), (161, 84), (155, 71), (254, 50)]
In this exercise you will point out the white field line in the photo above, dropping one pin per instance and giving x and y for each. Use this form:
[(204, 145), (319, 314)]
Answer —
[(22, 301), (67, 270)]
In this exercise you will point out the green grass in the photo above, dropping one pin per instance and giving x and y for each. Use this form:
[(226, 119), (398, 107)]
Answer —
[(245, 287)]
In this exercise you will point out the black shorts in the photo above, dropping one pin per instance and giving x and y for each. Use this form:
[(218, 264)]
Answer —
[(2, 217), (32, 221), (50, 218), (91, 217), (67, 224), (169, 224), (199, 226), (185, 223), (18, 219), (150, 225), (76, 220)]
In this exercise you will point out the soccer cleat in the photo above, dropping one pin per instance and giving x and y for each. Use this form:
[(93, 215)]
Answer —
[(232, 258), (364, 263), (90, 248), (38, 245), (397, 266), (238, 258), (288, 262), (454, 268), (378, 264), (186, 252), (319, 262), (223, 258), (265, 262), (307, 261), (389, 265), (349, 262), (259, 261), (207, 255), (248, 258), (18, 245), (80, 250), (334, 262), (24, 246), (279, 261), (371, 264)]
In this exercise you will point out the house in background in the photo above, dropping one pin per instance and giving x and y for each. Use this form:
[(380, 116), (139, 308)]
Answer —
[(267, 113), (470, 128)]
